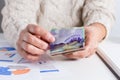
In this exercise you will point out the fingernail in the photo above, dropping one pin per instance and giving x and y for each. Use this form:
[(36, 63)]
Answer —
[(50, 38), (31, 29)]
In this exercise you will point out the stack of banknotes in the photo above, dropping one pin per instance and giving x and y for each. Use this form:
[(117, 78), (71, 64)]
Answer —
[(67, 40)]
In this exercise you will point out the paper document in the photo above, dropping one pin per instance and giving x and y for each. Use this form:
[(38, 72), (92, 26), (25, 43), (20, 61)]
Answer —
[(13, 65)]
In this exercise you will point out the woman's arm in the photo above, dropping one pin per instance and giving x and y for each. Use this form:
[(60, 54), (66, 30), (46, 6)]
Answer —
[(98, 18), (17, 14), (99, 12)]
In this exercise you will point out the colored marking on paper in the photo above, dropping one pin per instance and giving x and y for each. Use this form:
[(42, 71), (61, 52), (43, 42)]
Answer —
[(7, 57), (44, 71), (10, 55), (17, 67), (13, 70), (22, 60), (46, 65), (3, 49), (4, 71), (6, 60), (18, 72)]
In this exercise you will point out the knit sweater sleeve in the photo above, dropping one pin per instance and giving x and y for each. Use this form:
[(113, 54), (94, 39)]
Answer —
[(99, 11), (17, 14)]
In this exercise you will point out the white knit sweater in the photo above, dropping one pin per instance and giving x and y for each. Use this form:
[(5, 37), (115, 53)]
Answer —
[(17, 14)]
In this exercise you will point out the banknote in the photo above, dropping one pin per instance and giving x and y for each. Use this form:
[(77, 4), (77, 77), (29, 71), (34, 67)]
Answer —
[(67, 40)]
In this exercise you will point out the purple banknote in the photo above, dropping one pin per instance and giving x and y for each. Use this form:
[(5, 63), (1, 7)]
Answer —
[(67, 40)]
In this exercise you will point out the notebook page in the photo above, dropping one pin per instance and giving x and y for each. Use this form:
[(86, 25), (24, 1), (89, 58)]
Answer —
[(110, 52)]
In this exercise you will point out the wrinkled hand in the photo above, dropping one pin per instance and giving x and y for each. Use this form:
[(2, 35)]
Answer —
[(33, 42), (94, 34)]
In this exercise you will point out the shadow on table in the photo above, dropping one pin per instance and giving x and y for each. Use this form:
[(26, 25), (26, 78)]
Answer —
[(115, 39)]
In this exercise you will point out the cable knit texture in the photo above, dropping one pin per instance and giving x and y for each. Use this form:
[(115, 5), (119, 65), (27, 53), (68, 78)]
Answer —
[(17, 14)]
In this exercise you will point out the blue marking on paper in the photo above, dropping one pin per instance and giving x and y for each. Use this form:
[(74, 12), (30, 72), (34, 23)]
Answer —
[(6, 60), (4, 71), (7, 49), (12, 55), (44, 71)]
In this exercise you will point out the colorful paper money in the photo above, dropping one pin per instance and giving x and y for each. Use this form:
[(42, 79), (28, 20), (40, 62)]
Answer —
[(67, 40)]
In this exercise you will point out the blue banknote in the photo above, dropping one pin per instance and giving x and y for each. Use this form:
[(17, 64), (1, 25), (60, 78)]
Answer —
[(67, 40)]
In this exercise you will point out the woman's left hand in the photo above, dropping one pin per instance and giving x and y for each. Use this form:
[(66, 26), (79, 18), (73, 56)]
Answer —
[(93, 35)]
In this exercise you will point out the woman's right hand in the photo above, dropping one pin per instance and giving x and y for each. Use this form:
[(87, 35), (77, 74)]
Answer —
[(33, 42)]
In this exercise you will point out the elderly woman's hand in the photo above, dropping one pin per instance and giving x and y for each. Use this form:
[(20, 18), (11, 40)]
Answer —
[(94, 34), (33, 42)]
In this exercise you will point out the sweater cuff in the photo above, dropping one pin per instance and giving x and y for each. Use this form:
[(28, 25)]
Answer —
[(12, 32), (102, 19)]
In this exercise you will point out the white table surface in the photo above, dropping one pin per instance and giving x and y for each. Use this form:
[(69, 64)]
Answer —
[(84, 69)]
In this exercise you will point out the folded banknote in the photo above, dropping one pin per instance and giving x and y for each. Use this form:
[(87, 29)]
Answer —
[(67, 40)]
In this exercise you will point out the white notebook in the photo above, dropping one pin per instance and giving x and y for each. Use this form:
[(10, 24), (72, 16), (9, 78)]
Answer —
[(110, 52)]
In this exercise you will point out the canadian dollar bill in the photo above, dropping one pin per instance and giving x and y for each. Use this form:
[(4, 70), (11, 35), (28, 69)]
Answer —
[(67, 40)]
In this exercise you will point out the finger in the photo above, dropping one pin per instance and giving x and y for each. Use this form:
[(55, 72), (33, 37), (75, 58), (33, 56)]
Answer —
[(71, 56), (79, 54), (19, 48), (93, 52), (82, 53), (90, 37), (41, 32), (33, 40), (28, 56), (88, 50), (31, 49), (91, 44), (23, 53)]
